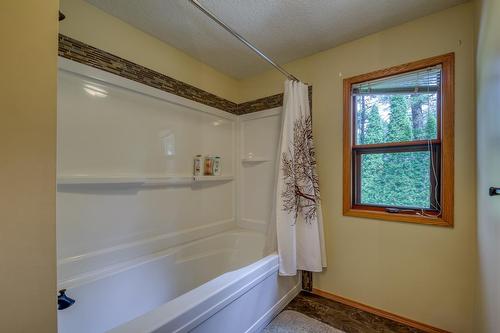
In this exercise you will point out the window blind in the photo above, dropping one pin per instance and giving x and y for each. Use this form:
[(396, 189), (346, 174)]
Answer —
[(427, 80)]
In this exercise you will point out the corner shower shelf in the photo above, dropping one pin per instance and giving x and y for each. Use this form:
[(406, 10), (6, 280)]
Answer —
[(139, 180)]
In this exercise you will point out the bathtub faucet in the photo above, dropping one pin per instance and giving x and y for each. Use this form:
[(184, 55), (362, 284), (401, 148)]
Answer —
[(63, 301)]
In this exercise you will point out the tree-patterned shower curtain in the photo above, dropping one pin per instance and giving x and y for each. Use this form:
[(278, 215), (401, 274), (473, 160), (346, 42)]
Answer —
[(298, 217)]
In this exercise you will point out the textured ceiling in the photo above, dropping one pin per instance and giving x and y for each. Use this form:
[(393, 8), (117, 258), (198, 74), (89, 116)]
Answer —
[(283, 29)]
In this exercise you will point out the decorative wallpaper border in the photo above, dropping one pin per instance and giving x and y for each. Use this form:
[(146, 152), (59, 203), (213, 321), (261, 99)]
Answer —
[(88, 55)]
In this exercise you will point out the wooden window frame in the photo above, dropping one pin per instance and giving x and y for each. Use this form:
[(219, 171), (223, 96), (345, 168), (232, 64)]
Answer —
[(445, 123)]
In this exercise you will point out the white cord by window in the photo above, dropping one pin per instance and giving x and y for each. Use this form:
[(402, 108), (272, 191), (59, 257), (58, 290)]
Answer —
[(434, 174)]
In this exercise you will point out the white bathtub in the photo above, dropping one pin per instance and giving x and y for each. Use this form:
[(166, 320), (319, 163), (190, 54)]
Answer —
[(216, 284)]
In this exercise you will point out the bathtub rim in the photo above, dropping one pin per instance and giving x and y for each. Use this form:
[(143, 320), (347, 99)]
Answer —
[(195, 306)]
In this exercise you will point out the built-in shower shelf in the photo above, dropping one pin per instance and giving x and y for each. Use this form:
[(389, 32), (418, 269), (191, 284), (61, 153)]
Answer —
[(255, 159), (87, 179), (138, 180)]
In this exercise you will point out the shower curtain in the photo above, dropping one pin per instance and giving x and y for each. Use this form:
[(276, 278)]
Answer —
[(298, 224)]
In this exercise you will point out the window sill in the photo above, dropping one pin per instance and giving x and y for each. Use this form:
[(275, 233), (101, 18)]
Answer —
[(397, 217)]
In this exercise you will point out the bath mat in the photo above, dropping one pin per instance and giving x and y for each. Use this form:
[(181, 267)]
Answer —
[(295, 322)]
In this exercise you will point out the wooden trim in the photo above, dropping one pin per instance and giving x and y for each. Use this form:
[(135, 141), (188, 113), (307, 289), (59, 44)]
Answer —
[(396, 144), (445, 123), (400, 69), (381, 313), (395, 217), (448, 138), (347, 146), (383, 208), (366, 149)]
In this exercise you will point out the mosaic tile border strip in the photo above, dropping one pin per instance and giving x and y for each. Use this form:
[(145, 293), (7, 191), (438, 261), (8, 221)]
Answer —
[(307, 281), (260, 104), (88, 55), (83, 53), (265, 103)]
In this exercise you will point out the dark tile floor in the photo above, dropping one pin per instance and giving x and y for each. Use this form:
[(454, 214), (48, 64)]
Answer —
[(344, 317)]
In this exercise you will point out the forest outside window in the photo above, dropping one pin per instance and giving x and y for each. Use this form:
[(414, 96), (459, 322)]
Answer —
[(398, 143)]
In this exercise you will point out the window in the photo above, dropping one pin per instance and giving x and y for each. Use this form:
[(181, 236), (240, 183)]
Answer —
[(398, 143)]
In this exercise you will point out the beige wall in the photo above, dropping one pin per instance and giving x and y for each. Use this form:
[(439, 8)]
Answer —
[(422, 272), (28, 31), (426, 273), (90, 25), (488, 124)]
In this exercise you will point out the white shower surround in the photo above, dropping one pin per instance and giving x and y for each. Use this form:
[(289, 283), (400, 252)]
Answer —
[(92, 255)]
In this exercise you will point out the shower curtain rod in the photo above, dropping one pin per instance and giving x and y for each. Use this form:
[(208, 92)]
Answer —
[(242, 39)]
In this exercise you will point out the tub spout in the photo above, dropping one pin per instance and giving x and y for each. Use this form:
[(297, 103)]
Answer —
[(63, 301)]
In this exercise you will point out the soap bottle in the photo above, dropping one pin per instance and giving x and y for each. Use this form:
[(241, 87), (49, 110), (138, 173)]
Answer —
[(197, 165), (216, 166), (208, 166)]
